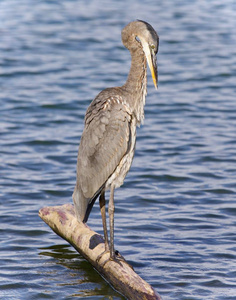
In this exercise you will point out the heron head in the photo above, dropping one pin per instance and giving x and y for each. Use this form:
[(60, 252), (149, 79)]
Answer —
[(143, 33)]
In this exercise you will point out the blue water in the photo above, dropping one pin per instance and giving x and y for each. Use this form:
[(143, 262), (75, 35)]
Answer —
[(175, 219)]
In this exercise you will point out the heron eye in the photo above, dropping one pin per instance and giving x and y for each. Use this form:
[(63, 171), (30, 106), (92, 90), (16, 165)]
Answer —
[(152, 46)]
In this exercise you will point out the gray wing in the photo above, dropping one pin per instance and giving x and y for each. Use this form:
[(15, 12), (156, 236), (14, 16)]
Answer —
[(104, 142)]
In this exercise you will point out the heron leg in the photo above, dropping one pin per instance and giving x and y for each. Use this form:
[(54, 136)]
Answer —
[(102, 203), (114, 255), (111, 209)]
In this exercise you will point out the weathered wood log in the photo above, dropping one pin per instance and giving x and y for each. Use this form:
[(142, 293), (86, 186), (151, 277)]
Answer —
[(91, 245)]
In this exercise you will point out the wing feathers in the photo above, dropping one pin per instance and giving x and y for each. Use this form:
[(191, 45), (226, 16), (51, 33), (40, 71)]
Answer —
[(103, 144)]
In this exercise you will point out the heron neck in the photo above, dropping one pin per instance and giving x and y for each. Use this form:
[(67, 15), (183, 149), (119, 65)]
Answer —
[(136, 84)]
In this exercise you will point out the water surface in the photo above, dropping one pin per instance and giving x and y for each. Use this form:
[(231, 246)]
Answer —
[(175, 215)]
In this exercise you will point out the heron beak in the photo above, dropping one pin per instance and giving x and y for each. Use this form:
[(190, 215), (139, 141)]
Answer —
[(152, 63), (151, 60)]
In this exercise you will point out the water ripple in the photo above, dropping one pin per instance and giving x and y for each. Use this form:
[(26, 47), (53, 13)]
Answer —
[(175, 214)]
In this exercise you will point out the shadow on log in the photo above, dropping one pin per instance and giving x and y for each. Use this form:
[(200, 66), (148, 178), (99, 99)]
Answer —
[(91, 245)]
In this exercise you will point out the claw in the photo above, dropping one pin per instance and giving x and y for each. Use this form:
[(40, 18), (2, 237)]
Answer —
[(117, 257), (101, 255), (122, 259)]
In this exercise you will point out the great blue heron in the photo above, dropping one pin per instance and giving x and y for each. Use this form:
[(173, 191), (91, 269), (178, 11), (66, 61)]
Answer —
[(107, 144)]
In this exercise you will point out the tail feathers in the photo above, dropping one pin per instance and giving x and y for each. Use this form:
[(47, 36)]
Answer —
[(89, 208), (91, 203), (83, 206), (80, 204)]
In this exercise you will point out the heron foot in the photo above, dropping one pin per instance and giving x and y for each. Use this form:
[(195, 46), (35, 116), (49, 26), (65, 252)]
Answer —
[(117, 257), (101, 255), (120, 258)]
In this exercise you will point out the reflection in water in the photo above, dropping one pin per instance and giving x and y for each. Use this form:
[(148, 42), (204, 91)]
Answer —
[(82, 275)]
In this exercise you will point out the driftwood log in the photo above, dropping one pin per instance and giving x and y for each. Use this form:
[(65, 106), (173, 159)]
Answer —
[(90, 245)]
